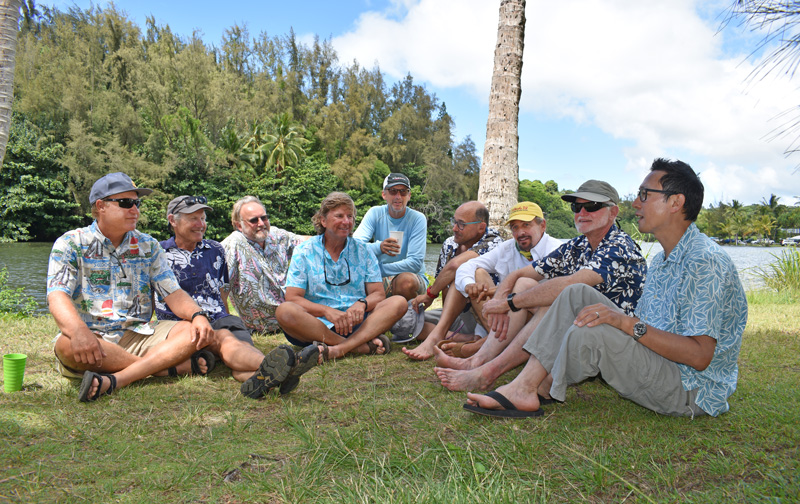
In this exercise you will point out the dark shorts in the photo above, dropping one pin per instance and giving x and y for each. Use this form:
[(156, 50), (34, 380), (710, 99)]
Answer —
[(235, 325)]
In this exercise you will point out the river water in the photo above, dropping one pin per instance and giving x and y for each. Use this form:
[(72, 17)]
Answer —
[(27, 264)]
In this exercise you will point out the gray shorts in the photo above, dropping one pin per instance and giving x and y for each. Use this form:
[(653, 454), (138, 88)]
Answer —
[(465, 323)]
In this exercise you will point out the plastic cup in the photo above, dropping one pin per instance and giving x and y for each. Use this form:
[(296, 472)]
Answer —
[(13, 371), (397, 235)]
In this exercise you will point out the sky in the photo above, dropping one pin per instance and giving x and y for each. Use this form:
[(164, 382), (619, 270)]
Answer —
[(607, 85)]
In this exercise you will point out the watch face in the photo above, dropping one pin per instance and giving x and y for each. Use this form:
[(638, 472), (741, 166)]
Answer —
[(639, 329)]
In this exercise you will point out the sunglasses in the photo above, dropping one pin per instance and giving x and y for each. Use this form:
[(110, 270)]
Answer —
[(461, 225), (125, 202), (192, 200), (255, 220), (325, 271), (644, 190), (395, 192), (591, 206)]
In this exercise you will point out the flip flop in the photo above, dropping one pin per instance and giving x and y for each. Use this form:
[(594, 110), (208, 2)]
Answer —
[(273, 370), (373, 348), (86, 385), (304, 360), (211, 362), (510, 410), (544, 401)]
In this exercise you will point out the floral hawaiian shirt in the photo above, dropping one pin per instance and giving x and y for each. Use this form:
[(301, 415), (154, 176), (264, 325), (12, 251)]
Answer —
[(617, 259), (257, 276), (201, 272), (111, 289)]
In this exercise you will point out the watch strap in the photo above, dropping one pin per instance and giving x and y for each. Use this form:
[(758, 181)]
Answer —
[(201, 313), (510, 301)]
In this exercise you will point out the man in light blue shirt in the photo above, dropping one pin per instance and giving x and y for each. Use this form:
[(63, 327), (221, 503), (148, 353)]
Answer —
[(677, 354), (402, 259)]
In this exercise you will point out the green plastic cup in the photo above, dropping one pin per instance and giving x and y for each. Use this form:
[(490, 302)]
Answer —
[(13, 371)]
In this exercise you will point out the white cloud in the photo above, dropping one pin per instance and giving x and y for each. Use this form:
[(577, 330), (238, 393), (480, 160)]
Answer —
[(651, 72)]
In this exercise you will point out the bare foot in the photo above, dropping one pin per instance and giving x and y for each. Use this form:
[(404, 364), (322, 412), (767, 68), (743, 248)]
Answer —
[(523, 400), (423, 352), (99, 381), (447, 361), (461, 380)]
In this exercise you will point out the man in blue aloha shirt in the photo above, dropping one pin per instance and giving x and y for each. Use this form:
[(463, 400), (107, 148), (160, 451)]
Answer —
[(677, 354), (604, 258), (201, 270)]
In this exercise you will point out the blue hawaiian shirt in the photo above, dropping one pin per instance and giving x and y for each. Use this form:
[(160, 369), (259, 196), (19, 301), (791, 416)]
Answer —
[(617, 259), (696, 291), (201, 272), (337, 284), (111, 288)]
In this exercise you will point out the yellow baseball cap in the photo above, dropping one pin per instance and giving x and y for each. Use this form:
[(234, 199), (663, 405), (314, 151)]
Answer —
[(525, 211)]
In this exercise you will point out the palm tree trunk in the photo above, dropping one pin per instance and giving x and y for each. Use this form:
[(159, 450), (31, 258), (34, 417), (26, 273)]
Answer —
[(9, 26), (499, 178)]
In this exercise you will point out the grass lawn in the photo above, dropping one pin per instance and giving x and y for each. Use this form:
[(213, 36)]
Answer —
[(381, 429)]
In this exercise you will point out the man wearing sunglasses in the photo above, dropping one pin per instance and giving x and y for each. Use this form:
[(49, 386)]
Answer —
[(604, 258), (676, 355), (258, 258), (201, 270), (402, 261), (100, 282)]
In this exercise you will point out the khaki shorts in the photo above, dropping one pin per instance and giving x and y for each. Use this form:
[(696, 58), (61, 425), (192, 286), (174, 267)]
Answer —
[(387, 284), (132, 342)]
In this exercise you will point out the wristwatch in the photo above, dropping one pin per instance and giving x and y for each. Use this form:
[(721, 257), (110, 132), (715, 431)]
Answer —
[(201, 313), (510, 302), (639, 330), (363, 300)]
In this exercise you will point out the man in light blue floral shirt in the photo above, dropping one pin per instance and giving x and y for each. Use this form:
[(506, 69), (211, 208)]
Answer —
[(604, 257), (677, 354)]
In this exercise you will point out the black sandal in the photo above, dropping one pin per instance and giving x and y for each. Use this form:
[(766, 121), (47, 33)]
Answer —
[(86, 385)]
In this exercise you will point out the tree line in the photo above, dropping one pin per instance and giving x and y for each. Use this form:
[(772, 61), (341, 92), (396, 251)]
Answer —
[(259, 114)]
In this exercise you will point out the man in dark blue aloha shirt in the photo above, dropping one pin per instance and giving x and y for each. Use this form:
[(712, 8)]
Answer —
[(200, 268), (603, 257)]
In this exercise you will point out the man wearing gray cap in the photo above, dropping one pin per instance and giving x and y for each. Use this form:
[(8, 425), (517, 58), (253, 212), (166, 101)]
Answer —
[(604, 257)]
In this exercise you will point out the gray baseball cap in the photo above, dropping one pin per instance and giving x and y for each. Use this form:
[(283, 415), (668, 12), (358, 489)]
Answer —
[(187, 204), (594, 190), (408, 328), (114, 183)]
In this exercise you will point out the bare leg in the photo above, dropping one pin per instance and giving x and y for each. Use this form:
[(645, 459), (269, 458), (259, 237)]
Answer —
[(242, 358), (521, 391), (484, 376), (177, 348), (305, 327), (406, 285), (454, 304), (482, 278)]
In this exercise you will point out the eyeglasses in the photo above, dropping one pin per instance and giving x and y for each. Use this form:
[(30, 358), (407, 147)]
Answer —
[(395, 192), (125, 202), (325, 271), (462, 225), (191, 200), (590, 206), (255, 220), (644, 190)]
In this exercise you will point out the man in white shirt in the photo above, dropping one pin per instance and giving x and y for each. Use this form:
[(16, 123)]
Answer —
[(475, 284)]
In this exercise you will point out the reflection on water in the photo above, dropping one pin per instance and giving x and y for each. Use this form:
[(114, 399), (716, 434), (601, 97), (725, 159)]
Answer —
[(27, 264)]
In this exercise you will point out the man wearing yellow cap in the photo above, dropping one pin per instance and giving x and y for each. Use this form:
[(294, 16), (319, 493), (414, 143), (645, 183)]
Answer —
[(475, 279)]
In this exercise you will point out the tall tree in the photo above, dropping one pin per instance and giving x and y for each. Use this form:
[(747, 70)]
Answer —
[(9, 26), (499, 179)]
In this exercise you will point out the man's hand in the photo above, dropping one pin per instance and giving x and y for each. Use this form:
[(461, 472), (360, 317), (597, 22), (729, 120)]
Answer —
[(496, 311), (596, 314), (202, 332), (422, 299), (389, 246), (356, 312), (342, 320), (479, 292), (86, 348)]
